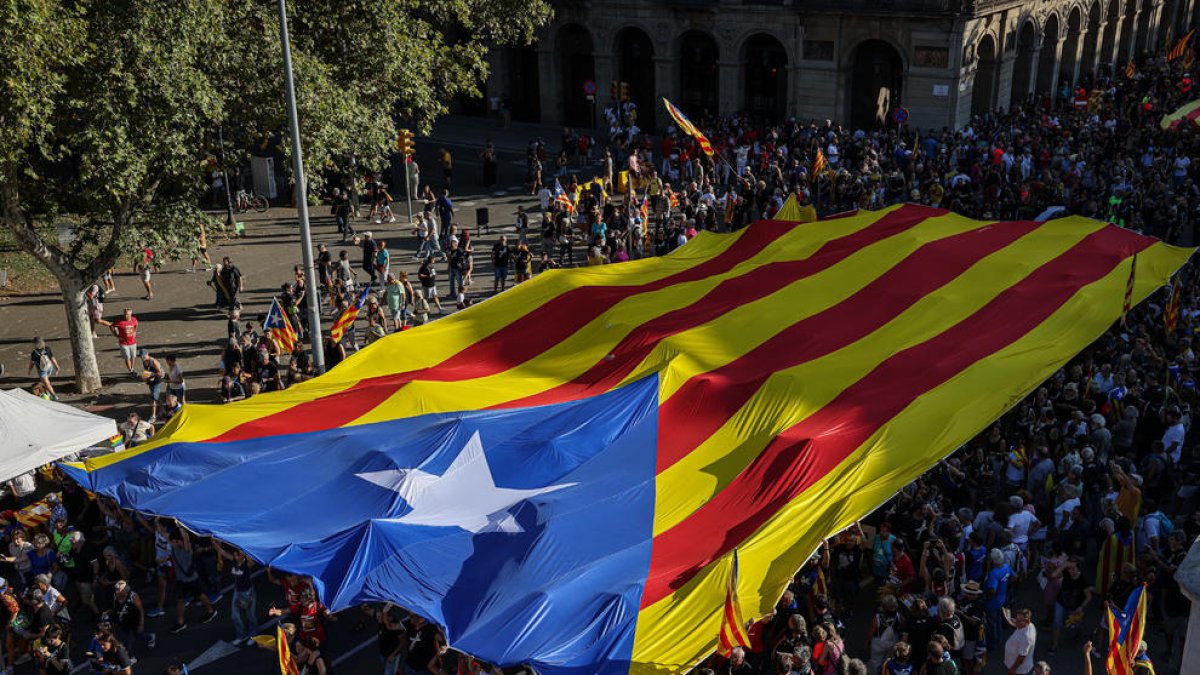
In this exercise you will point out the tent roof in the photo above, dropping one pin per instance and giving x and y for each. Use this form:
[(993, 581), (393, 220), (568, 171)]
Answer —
[(37, 431)]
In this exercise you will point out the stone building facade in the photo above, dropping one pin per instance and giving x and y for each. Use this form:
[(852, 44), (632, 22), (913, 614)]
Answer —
[(851, 61)]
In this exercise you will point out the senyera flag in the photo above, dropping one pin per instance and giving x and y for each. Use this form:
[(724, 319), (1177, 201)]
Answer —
[(338, 329), (559, 475), (687, 127)]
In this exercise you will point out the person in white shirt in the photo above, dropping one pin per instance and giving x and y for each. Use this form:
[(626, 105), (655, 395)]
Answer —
[(1018, 650), (22, 488), (1022, 523), (135, 430), (1172, 438), (1070, 501)]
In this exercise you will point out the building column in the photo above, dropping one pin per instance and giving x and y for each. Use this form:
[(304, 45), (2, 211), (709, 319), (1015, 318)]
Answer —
[(604, 72), (1054, 79), (666, 82), (550, 86), (793, 88), (1114, 52), (1035, 65), (1002, 94), (729, 95), (1072, 76), (1100, 29)]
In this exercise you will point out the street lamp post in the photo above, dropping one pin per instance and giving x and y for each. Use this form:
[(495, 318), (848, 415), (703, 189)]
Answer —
[(313, 288), (229, 220)]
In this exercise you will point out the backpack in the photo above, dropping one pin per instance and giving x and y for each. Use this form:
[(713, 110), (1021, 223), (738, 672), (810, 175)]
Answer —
[(44, 362), (1165, 524)]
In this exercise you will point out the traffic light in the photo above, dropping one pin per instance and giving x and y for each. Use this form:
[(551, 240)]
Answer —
[(404, 143), (624, 91)]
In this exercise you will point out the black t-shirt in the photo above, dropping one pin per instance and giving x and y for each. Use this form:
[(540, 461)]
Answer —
[(500, 255), (232, 277), (422, 645), (1071, 593), (36, 355), (427, 275), (458, 260), (83, 558), (847, 561), (60, 653), (118, 657), (40, 618), (389, 640)]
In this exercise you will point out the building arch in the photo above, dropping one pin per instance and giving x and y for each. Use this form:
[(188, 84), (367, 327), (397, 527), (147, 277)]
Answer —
[(699, 88), (876, 69), (1108, 43), (1091, 40), (1024, 68), (1068, 68), (1145, 16), (983, 92), (1047, 72), (575, 49), (764, 75), (634, 53)]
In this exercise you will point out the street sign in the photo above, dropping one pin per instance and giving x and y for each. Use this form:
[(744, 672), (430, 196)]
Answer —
[(900, 116), (589, 88)]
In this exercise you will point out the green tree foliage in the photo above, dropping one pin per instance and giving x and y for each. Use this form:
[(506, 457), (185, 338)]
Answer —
[(109, 107)]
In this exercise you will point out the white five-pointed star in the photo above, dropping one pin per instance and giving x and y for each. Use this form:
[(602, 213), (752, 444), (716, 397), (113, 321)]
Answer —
[(464, 496)]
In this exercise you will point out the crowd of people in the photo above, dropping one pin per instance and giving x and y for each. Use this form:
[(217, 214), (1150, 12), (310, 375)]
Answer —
[(1081, 493)]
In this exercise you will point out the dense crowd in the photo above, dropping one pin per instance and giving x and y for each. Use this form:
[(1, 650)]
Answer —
[(1085, 490)]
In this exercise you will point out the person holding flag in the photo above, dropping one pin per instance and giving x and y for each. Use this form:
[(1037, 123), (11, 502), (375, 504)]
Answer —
[(561, 198), (280, 328), (1126, 625), (346, 320)]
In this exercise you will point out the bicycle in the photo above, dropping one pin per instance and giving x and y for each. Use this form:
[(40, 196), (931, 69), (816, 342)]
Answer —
[(246, 202)]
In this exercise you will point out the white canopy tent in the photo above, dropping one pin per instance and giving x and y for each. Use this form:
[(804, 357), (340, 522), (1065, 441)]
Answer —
[(34, 431)]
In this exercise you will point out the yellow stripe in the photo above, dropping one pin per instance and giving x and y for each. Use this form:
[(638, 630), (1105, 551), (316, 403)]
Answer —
[(588, 346), (679, 629), (792, 394), (428, 345)]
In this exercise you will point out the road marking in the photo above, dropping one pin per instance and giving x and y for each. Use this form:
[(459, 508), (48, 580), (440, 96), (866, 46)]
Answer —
[(361, 646)]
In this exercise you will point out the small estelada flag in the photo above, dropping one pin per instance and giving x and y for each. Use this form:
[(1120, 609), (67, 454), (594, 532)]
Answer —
[(733, 628)]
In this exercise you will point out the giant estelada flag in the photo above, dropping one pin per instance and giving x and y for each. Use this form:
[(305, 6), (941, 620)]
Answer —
[(559, 475)]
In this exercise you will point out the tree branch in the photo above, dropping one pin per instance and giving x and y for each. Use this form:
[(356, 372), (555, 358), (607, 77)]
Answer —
[(21, 225)]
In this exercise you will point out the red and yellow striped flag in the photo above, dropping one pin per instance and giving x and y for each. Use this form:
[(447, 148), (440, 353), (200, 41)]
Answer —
[(1180, 46), (1130, 70), (1171, 311), (287, 664), (279, 327), (687, 127), (1129, 288), (733, 627), (819, 163), (796, 372), (348, 316)]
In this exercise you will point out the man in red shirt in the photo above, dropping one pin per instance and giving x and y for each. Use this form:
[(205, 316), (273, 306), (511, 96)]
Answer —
[(126, 331)]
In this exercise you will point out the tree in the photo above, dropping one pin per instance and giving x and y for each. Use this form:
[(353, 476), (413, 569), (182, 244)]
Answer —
[(108, 107)]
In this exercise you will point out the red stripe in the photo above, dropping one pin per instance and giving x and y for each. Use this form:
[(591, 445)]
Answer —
[(706, 402), (725, 296), (523, 339), (803, 454)]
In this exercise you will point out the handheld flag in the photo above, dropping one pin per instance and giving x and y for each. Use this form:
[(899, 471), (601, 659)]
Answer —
[(733, 627), (819, 163), (1171, 311), (1186, 115), (1129, 287), (672, 198), (1180, 46), (348, 316), (644, 208), (280, 328), (1130, 70), (561, 198), (731, 201), (1126, 625), (579, 456), (688, 128), (287, 664)]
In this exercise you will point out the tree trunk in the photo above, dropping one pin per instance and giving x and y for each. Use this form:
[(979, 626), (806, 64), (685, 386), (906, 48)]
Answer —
[(83, 351)]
